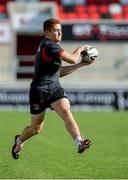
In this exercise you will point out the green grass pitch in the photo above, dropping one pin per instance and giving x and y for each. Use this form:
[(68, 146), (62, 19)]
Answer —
[(52, 154)]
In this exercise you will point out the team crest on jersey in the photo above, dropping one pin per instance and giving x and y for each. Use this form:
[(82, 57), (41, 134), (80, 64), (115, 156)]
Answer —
[(36, 106)]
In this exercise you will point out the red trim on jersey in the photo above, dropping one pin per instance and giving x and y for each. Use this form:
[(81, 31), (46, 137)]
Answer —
[(61, 52), (45, 56)]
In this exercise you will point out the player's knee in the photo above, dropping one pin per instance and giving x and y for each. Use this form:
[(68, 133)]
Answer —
[(65, 110)]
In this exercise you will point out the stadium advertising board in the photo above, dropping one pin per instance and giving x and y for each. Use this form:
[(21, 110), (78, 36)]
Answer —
[(81, 100), (98, 32)]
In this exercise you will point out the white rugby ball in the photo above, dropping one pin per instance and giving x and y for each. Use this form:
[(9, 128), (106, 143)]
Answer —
[(89, 54)]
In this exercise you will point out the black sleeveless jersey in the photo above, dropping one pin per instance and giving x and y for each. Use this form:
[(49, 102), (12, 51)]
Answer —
[(47, 62)]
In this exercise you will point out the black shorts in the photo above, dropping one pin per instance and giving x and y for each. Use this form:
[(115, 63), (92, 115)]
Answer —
[(40, 98)]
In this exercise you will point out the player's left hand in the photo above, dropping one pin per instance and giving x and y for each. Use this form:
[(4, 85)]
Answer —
[(83, 63)]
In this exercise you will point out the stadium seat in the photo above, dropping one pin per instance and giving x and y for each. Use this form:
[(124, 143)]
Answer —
[(71, 16), (125, 16), (125, 9), (92, 8), (94, 16), (125, 12), (80, 8), (103, 9), (82, 16), (117, 16), (63, 16)]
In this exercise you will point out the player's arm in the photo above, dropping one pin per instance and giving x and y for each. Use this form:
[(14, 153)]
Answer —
[(73, 57), (65, 70)]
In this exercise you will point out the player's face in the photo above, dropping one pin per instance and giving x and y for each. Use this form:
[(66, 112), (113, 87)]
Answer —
[(55, 34)]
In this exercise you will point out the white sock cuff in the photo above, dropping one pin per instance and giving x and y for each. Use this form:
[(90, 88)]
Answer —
[(18, 141), (78, 139)]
